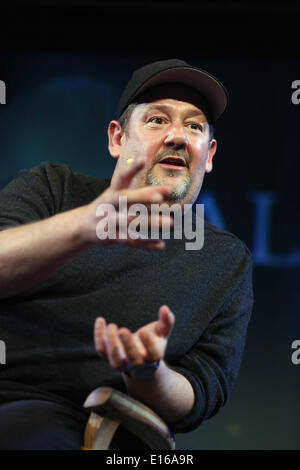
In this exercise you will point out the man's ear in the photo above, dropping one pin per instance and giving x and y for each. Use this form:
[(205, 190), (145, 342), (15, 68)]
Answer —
[(115, 134), (210, 153)]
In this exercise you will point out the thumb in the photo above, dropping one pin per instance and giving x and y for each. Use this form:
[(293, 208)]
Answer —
[(166, 320)]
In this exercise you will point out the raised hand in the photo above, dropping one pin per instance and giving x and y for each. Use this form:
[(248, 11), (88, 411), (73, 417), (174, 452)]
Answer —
[(120, 187), (120, 347)]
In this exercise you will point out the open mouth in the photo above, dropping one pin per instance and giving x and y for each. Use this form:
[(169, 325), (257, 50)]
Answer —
[(174, 163)]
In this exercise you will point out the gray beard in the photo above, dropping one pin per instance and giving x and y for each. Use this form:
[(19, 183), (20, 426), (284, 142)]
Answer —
[(178, 194)]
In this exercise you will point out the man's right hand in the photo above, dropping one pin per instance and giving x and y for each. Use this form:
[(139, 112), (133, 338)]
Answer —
[(120, 187)]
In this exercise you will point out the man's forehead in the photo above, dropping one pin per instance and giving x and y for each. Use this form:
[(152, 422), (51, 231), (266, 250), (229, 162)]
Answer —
[(167, 105), (174, 96)]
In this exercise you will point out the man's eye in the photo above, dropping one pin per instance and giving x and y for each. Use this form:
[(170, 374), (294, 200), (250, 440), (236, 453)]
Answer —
[(156, 120), (196, 126)]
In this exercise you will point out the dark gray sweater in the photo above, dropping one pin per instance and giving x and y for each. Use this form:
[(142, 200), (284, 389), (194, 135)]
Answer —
[(48, 330)]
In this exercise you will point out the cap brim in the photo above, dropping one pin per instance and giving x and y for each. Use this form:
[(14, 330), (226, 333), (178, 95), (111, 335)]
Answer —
[(207, 86)]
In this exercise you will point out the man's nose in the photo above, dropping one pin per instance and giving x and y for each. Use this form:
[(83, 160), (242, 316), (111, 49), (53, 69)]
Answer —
[(176, 135)]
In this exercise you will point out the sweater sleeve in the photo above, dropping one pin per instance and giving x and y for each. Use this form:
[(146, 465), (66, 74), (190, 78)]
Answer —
[(213, 363)]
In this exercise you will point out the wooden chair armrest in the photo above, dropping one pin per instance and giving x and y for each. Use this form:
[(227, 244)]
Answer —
[(112, 407)]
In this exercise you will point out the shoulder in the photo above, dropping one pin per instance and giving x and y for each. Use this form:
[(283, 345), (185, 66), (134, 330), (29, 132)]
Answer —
[(226, 243), (55, 170), (62, 179), (222, 237)]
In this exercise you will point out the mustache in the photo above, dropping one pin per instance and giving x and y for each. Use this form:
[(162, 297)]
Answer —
[(170, 153)]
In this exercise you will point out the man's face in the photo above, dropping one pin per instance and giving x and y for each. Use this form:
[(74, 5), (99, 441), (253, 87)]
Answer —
[(173, 136)]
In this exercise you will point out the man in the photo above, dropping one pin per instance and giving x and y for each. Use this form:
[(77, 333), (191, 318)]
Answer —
[(168, 324)]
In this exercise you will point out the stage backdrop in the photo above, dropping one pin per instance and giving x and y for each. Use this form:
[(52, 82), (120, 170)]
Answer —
[(57, 109)]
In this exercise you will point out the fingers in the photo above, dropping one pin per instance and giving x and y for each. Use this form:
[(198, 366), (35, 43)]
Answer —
[(143, 227), (121, 347), (145, 244), (124, 178), (166, 320), (100, 340), (125, 229), (134, 348), (108, 344), (145, 195), (118, 347), (152, 346), (115, 351), (122, 222)]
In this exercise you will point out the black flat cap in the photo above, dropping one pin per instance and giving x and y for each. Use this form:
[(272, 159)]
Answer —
[(176, 71)]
